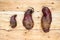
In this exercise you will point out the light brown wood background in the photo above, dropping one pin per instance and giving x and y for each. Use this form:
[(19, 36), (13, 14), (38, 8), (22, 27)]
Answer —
[(11, 7)]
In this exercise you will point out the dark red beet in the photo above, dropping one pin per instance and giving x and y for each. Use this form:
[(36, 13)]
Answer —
[(46, 19), (13, 22), (27, 20)]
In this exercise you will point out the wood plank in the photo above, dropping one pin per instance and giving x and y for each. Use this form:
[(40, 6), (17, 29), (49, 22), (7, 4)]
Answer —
[(11, 7), (34, 34)]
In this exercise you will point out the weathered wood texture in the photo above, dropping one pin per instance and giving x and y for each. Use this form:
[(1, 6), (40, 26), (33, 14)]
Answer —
[(20, 33)]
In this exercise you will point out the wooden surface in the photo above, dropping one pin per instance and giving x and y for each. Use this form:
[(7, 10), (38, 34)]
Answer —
[(22, 5), (11, 7)]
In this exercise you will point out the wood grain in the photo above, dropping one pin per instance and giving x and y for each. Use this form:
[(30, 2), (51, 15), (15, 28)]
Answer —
[(18, 5), (11, 7)]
